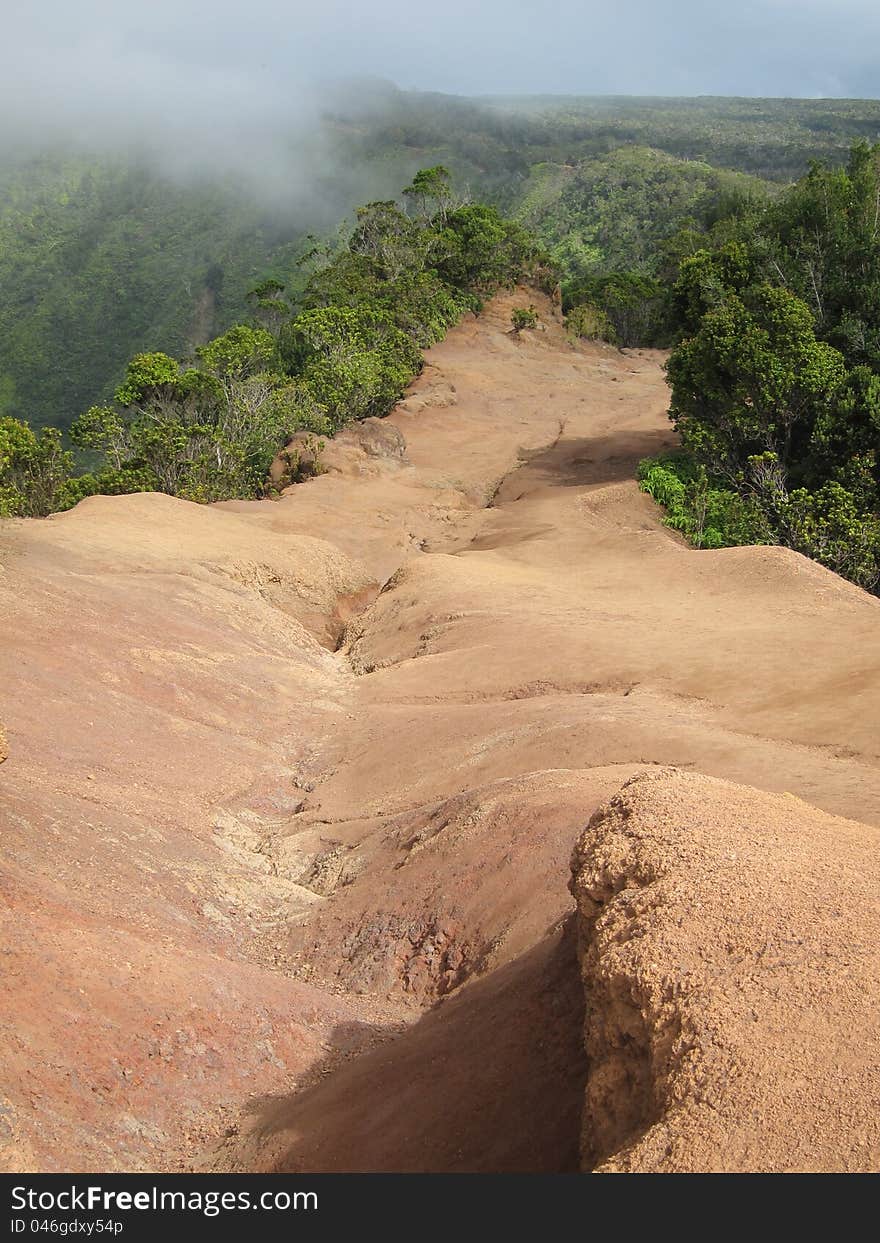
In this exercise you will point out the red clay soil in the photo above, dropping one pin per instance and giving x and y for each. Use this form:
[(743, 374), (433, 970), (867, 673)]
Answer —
[(293, 789), (729, 953)]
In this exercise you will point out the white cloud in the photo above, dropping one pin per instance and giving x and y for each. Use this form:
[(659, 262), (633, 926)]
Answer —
[(203, 73)]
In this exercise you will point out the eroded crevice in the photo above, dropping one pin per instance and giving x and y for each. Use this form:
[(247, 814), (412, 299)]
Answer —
[(525, 458), (351, 619), (588, 1039), (489, 1080)]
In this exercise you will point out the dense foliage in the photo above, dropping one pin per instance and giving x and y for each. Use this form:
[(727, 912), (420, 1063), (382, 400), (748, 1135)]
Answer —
[(104, 256), (619, 228), (34, 468), (494, 143), (612, 213), (710, 515), (100, 259), (776, 380), (666, 219), (345, 348)]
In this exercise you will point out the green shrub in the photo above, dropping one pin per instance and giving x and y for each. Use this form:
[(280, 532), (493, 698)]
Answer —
[(633, 306), (353, 360), (33, 470), (831, 527), (589, 323), (211, 431), (710, 515), (478, 249), (522, 318), (776, 382)]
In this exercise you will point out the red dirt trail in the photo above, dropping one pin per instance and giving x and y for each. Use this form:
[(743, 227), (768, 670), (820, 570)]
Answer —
[(447, 814)]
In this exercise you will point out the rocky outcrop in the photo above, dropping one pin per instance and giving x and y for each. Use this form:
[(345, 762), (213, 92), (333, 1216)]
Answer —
[(729, 951), (306, 454)]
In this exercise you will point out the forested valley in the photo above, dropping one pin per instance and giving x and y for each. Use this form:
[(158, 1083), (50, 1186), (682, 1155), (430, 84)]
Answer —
[(159, 333)]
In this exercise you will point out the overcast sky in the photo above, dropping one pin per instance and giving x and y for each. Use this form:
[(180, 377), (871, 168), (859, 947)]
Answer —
[(115, 63)]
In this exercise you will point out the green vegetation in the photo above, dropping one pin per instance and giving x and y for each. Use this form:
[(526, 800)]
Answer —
[(776, 380), (625, 308), (587, 322), (102, 257), (493, 144), (33, 470), (345, 348), (99, 259), (523, 317), (671, 223), (710, 515), (612, 213), (621, 225)]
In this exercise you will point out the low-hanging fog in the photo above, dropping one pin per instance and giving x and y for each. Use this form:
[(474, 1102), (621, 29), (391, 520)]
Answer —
[(229, 84)]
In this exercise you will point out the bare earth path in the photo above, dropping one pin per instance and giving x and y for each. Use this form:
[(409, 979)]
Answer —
[(293, 791)]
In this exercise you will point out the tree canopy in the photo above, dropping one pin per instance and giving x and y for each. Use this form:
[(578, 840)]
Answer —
[(208, 428), (776, 378)]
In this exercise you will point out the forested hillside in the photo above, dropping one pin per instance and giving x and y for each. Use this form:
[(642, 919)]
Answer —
[(344, 346), (775, 376), (616, 211), (104, 256), (100, 257), (498, 140), (771, 138)]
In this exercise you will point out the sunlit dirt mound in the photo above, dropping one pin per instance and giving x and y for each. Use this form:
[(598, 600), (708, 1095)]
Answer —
[(293, 789), (730, 949)]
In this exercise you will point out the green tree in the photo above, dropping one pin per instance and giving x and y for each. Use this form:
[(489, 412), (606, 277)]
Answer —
[(268, 304), (753, 379), (387, 237), (102, 430), (431, 191), (353, 360), (151, 381), (478, 249), (33, 469), (776, 386), (831, 526), (241, 351)]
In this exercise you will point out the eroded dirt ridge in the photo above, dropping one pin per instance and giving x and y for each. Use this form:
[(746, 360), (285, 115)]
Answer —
[(293, 791)]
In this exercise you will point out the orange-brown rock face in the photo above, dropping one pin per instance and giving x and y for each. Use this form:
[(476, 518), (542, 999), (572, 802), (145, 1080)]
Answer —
[(293, 788)]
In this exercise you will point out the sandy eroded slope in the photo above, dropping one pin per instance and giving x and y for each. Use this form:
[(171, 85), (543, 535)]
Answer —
[(293, 788)]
